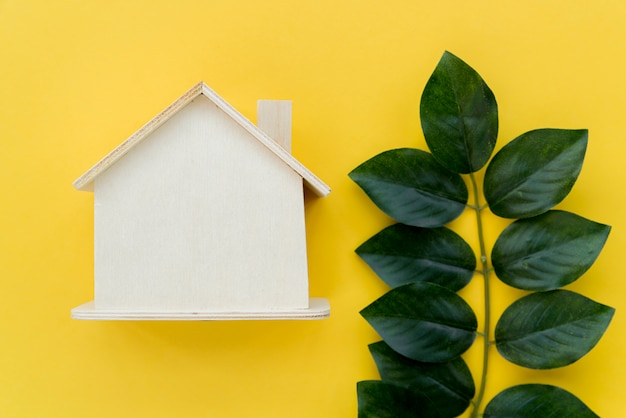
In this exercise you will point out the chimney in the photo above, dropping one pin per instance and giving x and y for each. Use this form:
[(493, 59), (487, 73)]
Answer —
[(274, 118)]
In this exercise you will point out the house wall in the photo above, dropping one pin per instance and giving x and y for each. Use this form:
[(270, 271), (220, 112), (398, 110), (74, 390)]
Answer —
[(200, 216)]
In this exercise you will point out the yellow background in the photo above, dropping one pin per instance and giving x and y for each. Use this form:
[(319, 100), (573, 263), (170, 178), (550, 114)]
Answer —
[(78, 77)]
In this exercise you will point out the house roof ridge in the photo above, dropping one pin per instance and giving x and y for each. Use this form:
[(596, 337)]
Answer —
[(85, 181)]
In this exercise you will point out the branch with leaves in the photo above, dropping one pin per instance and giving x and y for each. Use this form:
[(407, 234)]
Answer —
[(425, 325)]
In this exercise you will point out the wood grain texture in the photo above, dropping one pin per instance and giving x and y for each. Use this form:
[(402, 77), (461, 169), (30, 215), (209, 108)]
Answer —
[(201, 211), (319, 308), (200, 217), (274, 118), (85, 182)]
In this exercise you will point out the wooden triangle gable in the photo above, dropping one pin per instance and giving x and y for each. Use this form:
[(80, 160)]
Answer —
[(85, 182)]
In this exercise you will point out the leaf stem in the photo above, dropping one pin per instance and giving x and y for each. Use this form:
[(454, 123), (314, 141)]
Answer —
[(487, 323)]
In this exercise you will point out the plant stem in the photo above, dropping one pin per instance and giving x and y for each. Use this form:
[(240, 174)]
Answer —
[(487, 323)]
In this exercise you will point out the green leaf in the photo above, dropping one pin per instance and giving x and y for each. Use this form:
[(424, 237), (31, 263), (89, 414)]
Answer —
[(423, 321), (378, 399), (533, 401), (547, 251), (459, 116), (402, 254), (412, 187), (534, 172), (448, 385), (551, 329)]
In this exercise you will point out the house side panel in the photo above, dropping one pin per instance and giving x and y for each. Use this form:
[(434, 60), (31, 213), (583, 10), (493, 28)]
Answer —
[(200, 216)]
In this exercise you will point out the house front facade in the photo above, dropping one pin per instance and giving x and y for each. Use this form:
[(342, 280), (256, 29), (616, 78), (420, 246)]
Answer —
[(200, 213)]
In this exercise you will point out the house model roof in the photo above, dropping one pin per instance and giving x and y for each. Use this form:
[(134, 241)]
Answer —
[(85, 182)]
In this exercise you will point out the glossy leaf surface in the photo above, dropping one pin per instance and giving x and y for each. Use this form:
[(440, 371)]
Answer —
[(378, 399), (425, 325), (459, 116), (448, 385), (550, 329), (533, 401), (534, 172), (412, 187), (547, 251), (423, 321), (402, 254)]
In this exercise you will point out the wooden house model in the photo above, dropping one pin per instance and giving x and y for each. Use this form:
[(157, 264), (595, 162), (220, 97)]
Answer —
[(200, 215)]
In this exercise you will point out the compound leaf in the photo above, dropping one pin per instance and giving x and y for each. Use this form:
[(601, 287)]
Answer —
[(459, 116), (423, 321), (448, 385), (552, 329), (412, 187), (533, 400), (534, 172), (547, 251), (402, 254), (378, 399)]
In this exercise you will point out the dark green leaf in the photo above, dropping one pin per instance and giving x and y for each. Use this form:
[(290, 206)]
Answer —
[(412, 187), (547, 251), (448, 385), (423, 321), (551, 329), (459, 116), (534, 172), (378, 399), (402, 254), (534, 401)]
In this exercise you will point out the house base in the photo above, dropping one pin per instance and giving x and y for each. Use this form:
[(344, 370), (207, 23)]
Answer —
[(319, 308)]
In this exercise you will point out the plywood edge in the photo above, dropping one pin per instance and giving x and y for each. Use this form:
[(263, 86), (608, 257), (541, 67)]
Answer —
[(311, 180), (85, 181), (319, 308)]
